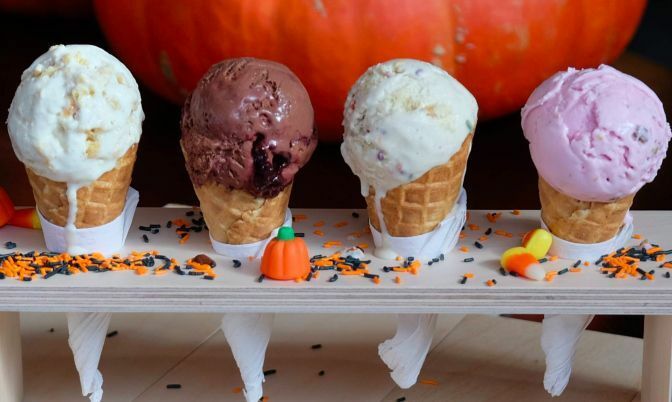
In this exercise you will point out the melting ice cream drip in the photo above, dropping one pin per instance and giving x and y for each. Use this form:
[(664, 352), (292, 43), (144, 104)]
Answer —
[(383, 251)]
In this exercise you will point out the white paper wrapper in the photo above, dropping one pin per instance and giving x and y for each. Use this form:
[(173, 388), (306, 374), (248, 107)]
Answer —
[(241, 251), (248, 336), (106, 239), (576, 251), (429, 245), (559, 338), (560, 334), (406, 352), (87, 332)]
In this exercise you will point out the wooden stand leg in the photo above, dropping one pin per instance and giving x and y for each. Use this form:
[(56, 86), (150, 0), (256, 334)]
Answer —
[(11, 369), (657, 366)]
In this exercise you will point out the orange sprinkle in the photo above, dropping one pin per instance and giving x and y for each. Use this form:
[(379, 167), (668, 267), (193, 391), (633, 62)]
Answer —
[(363, 245), (355, 234), (376, 280), (660, 258), (636, 236), (399, 258), (490, 283), (299, 217), (667, 265), (429, 382), (463, 235), (160, 272), (653, 250), (575, 269), (141, 271), (264, 399), (553, 258), (318, 224), (298, 280), (318, 233), (586, 263), (501, 232), (464, 249), (250, 258), (650, 277), (483, 238), (472, 226), (237, 390), (185, 239), (468, 275), (340, 224), (515, 212), (492, 217), (397, 279)]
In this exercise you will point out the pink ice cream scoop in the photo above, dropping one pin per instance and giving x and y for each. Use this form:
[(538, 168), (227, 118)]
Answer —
[(596, 134)]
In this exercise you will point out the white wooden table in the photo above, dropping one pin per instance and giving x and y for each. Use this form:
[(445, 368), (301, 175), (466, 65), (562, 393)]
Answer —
[(437, 288)]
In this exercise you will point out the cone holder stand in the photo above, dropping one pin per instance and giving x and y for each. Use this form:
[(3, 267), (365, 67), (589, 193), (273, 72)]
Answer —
[(436, 289)]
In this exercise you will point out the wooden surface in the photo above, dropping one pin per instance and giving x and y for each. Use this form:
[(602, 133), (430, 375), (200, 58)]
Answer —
[(11, 384), (435, 289), (657, 369), (477, 359)]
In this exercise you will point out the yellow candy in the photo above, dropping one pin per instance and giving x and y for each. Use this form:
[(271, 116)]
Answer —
[(521, 261), (538, 242)]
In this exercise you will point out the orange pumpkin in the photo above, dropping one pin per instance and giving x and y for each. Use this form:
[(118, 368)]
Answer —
[(6, 207), (499, 49), (285, 257)]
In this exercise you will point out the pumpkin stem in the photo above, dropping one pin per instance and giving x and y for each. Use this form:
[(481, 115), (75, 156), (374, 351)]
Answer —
[(286, 233)]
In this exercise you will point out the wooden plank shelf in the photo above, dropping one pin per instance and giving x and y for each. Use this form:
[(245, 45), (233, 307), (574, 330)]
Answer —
[(436, 289)]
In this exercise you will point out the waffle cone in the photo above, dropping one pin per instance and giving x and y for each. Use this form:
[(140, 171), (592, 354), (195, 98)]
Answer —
[(238, 217), (419, 206), (581, 221), (97, 204)]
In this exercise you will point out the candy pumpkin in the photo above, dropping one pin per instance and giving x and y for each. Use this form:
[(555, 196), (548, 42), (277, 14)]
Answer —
[(6, 207), (499, 49), (285, 257)]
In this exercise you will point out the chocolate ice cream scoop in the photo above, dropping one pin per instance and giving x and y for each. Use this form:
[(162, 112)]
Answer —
[(248, 125)]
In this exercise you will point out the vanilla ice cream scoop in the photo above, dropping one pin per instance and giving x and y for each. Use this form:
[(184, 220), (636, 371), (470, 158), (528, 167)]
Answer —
[(75, 113), (402, 118)]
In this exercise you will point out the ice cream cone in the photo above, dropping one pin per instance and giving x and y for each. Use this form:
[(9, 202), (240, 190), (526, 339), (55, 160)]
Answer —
[(237, 217), (97, 204), (419, 206), (581, 221)]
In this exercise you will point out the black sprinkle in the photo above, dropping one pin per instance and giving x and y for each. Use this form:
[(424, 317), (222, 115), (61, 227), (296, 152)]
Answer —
[(478, 245), (270, 372), (209, 277), (494, 281), (442, 257), (667, 275), (300, 234), (310, 276), (543, 260), (112, 334), (488, 232), (435, 259), (145, 238), (51, 330), (513, 273), (189, 213), (237, 263), (174, 386), (321, 373), (371, 276), (154, 231), (10, 245), (333, 278), (355, 215), (155, 226), (641, 271), (502, 271), (411, 259), (196, 273), (470, 259), (144, 228), (430, 262), (27, 278), (563, 271), (387, 269), (169, 224), (463, 280), (401, 399), (576, 264), (2, 276), (179, 270), (652, 272), (316, 346), (261, 278)]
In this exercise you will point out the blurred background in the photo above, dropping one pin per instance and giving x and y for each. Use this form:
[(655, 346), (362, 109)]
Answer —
[(500, 174)]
